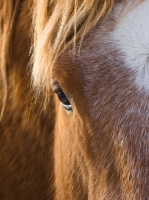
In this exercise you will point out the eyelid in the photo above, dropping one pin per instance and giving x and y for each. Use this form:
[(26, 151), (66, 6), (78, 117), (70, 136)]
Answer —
[(54, 85), (57, 88)]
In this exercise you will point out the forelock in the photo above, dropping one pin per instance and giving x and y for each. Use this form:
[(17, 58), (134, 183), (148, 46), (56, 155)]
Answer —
[(58, 24)]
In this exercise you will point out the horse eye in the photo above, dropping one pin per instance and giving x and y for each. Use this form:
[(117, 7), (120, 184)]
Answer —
[(63, 98)]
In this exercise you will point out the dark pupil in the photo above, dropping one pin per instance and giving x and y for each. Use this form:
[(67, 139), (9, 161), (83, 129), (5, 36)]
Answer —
[(62, 97)]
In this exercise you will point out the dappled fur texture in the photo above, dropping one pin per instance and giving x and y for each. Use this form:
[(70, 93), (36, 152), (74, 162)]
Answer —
[(99, 151)]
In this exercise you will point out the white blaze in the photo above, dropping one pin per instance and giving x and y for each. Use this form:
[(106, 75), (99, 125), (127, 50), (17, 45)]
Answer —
[(131, 35)]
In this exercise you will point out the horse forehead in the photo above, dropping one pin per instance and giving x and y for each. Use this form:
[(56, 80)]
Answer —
[(124, 38), (131, 38)]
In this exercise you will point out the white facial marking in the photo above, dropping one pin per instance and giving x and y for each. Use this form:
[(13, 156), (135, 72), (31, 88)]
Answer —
[(131, 35)]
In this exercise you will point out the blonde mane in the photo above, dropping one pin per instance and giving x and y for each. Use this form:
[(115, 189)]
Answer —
[(58, 24)]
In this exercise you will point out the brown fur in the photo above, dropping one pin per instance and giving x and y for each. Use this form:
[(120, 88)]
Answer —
[(98, 151), (26, 161), (101, 148)]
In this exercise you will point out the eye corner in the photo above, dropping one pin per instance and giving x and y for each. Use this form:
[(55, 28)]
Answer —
[(67, 107)]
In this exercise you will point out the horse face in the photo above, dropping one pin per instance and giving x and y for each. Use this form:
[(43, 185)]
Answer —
[(101, 141)]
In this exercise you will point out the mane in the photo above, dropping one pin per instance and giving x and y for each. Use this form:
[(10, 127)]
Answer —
[(58, 24), (7, 17)]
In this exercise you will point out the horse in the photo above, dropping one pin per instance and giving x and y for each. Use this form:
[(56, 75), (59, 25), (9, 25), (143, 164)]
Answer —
[(74, 99)]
